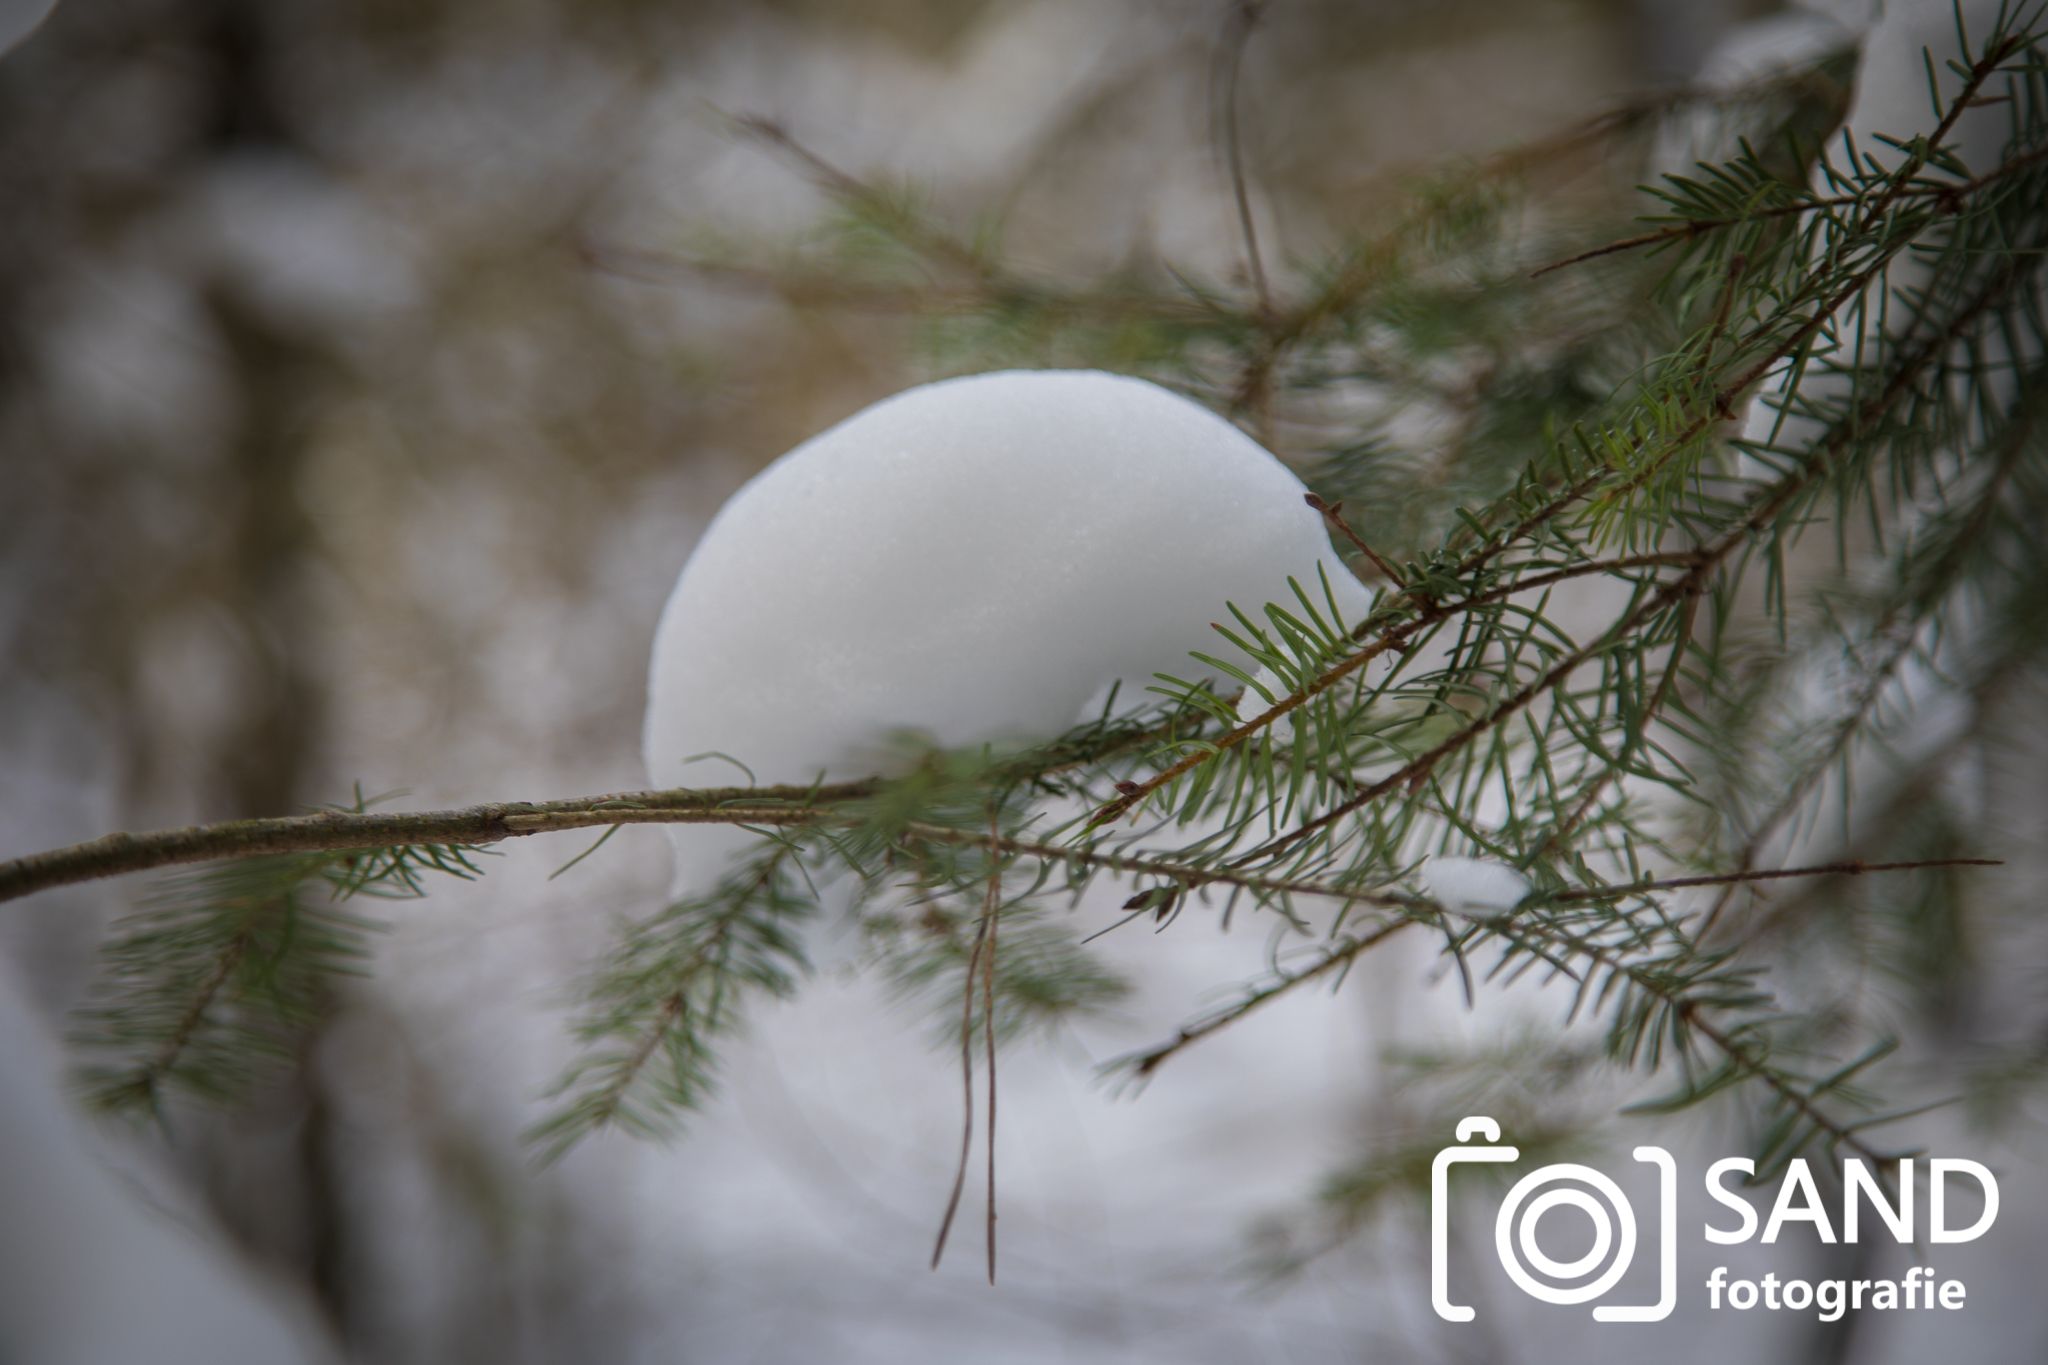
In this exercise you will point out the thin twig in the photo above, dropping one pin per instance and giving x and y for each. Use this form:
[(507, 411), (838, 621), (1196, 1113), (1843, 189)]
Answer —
[(1145, 1063), (1693, 1012), (1700, 226), (1847, 868), (1638, 737), (915, 232), (1255, 385), (1244, 18), (808, 287), (1333, 512), (1392, 636), (967, 1092), (991, 916), (113, 855), (1904, 633), (1764, 512), (1420, 910)]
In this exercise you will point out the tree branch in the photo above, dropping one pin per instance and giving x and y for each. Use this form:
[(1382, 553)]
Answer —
[(113, 855), (1700, 226)]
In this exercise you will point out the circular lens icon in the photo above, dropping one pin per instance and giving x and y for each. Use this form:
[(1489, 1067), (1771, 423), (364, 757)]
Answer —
[(1614, 1229)]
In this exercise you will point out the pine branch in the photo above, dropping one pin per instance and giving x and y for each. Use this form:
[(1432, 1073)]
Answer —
[(1766, 510), (1894, 321), (1901, 632), (487, 823), (114, 855), (658, 1005), (1338, 957), (1332, 961), (1697, 227), (1393, 634), (1688, 1012), (222, 969)]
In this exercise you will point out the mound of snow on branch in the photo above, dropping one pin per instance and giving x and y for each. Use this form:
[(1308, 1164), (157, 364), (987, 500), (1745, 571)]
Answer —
[(973, 560)]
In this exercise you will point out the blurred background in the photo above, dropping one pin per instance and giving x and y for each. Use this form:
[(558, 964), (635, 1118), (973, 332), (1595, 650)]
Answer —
[(355, 419)]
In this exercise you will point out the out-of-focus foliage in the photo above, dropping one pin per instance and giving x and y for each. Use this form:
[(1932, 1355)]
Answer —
[(1839, 599)]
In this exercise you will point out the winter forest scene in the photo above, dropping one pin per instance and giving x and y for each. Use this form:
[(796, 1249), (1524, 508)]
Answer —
[(1160, 681)]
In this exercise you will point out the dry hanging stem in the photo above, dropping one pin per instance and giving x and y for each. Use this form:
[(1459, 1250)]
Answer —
[(981, 956)]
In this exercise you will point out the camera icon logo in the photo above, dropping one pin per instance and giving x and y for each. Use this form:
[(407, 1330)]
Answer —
[(1585, 1277)]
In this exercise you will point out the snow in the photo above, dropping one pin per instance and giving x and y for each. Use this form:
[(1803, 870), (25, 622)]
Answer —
[(979, 560), (972, 560), (19, 19), (1259, 699), (93, 1266), (1474, 887)]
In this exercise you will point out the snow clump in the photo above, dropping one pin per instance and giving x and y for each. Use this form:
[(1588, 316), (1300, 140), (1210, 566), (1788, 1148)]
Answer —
[(974, 560)]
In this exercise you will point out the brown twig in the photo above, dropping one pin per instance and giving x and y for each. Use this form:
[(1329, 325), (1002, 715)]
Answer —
[(1701, 226), (967, 1091), (1764, 512), (113, 855), (805, 287), (1723, 399), (1255, 384), (1244, 19), (942, 246), (2013, 444), (1849, 868), (1333, 512), (1391, 636), (991, 912), (1145, 1063), (1640, 735)]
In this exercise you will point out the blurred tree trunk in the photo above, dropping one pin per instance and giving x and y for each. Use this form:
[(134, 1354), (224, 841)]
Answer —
[(273, 1179)]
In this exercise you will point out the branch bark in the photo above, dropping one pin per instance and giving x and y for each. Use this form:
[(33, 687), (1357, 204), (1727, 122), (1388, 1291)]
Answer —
[(113, 855)]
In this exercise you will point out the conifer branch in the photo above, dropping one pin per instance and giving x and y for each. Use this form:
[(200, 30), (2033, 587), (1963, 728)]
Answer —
[(1334, 514), (1489, 729), (1697, 227), (114, 855), (1393, 634), (1331, 960), (665, 996), (1765, 510), (1900, 629), (1339, 956), (219, 970), (1691, 1014), (886, 209)]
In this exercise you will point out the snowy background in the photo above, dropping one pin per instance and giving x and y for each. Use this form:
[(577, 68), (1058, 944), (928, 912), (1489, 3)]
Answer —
[(329, 456)]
